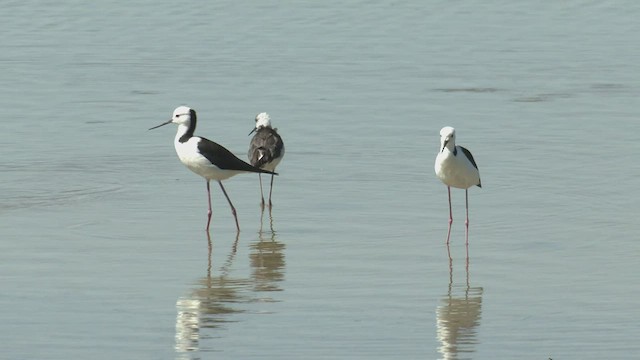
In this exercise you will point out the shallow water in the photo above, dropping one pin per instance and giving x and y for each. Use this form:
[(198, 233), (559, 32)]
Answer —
[(103, 252)]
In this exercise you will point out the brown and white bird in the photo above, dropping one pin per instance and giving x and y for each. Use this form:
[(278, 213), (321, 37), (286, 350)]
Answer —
[(266, 149)]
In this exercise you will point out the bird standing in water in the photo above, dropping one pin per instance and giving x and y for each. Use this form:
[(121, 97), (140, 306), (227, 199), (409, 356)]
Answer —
[(205, 157), (456, 167), (266, 149)]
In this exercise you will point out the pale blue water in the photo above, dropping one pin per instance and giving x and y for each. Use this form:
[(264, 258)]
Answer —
[(102, 248)]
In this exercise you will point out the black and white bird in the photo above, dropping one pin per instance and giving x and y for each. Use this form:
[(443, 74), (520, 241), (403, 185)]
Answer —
[(266, 149), (205, 157), (456, 167)]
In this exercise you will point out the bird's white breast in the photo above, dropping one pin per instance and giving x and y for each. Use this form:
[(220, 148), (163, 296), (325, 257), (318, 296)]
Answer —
[(456, 171)]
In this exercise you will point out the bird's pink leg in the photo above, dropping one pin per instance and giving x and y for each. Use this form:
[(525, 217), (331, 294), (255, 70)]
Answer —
[(261, 194), (466, 222), (233, 209), (450, 212), (209, 212), (210, 246), (467, 263), (450, 216), (450, 268)]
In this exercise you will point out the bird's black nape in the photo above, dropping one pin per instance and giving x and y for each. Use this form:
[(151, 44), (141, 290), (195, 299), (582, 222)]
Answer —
[(192, 127)]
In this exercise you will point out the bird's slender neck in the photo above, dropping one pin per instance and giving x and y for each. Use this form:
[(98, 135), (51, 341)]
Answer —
[(185, 131)]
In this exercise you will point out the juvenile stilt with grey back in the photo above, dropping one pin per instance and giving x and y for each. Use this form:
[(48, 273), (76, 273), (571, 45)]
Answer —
[(266, 149)]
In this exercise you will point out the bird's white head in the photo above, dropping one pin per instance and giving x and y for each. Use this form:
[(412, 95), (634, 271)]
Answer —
[(182, 115), (447, 138), (263, 120)]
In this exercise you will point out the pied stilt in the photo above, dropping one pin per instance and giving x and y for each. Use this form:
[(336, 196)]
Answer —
[(206, 158), (456, 167)]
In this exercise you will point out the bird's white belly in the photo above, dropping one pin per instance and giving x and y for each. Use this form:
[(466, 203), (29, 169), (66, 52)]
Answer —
[(459, 175), (199, 164)]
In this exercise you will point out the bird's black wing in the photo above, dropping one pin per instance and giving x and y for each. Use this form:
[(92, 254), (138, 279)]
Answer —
[(467, 153), (223, 158)]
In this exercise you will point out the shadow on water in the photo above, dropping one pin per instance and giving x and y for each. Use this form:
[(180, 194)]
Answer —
[(459, 316), (210, 304)]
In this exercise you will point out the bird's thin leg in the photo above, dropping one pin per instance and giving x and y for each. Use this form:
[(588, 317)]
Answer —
[(450, 218), (209, 212), (450, 212), (467, 262), (270, 190), (210, 245), (466, 200), (233, 209), (261, 194), (261, 220), (466, 222)]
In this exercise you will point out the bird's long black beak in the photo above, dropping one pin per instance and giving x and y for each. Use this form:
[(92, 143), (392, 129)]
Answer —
[(444, 145), (252, 131), (163, 124)]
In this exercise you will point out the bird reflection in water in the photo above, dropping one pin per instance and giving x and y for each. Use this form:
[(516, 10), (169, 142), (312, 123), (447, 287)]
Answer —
[(459, 316), (217, 296), (267, 260), (209, 305)]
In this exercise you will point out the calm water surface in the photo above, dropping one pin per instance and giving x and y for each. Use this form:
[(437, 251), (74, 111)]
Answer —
[(102, 248)]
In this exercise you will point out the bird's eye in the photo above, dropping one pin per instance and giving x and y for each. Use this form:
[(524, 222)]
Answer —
[(178, 115)]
